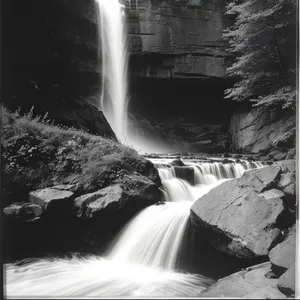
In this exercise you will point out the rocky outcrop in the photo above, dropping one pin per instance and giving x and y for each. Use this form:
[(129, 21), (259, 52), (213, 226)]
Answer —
[(244, 217), (84, 116), (262, 131), (59, 62), (252, 283), (270, 280), (119, 200), (63, 218)]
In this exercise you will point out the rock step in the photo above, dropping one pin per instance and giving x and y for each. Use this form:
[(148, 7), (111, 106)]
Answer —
[(249, 284)]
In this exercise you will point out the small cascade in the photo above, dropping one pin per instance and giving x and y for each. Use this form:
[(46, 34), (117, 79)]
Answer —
[(153, 238), (143, 259)]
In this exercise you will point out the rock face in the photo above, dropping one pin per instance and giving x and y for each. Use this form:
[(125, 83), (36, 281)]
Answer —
[(179, 133), (59, 62), (244, 217), (249, 284), (83, 116), (177, 38), (258, 131)]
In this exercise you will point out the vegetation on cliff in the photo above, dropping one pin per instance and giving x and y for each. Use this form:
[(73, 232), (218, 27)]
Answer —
[(263, 38), (37, 154)]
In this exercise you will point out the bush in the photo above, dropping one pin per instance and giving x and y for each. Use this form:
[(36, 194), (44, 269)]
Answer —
[(37, 154)]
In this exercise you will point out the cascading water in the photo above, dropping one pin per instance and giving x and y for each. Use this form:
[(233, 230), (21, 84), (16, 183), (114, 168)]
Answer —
[(143, 259), (114, 54)]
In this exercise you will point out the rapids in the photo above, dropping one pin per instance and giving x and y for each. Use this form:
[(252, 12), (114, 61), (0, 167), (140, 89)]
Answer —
[(143, 258)]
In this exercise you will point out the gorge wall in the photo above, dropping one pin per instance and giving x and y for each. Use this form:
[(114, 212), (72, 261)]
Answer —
[(177, 39), (50, 61), (177, 68)]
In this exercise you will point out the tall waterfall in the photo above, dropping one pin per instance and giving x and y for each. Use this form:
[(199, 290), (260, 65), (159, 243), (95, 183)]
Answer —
[(113, 45)]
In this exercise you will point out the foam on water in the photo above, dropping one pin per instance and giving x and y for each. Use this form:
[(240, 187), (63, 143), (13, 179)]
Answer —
[(96, 276), (143, 258)]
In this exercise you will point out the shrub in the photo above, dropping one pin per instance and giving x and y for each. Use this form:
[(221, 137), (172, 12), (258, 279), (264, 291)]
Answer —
[(37, 154)]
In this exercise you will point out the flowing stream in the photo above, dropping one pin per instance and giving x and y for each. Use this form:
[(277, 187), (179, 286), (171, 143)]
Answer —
[(143, 258)]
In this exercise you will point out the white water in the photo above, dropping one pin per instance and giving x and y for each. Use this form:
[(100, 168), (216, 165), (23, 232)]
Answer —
[(113, 39), (153, 238), (143, 258)]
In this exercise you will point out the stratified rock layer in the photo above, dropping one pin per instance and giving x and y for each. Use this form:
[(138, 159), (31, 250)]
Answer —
[(177, 38)]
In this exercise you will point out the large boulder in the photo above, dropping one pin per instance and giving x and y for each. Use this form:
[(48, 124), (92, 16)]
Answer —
[(244, 216), (185, 173), (53, 201), (251, 283), (120, 200), (89, 205)]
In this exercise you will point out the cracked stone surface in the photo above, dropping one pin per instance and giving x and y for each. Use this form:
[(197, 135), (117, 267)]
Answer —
[(249, 284), (240, 217)]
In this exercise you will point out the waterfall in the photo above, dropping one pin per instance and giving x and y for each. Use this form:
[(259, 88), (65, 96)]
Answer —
[(153, 238), (113, 46), (143, 258)]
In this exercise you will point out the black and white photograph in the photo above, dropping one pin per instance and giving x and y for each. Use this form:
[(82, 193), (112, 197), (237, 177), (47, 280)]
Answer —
[(149, 149)]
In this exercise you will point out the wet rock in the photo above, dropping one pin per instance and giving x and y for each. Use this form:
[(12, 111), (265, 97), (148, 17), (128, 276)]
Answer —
[(284, 254), (242, 217), (12, 210), (287, 165), (286, 282), (53, 201), (260, 179), (269, 292), (279, 156), (90, 204), (237, 156), (291, 154), (286, 180), (185, 173), (23, 211), (177, 162), (122, 199), (227, 161), (249, 284), (226, 155), (274, 152), (44, 197)]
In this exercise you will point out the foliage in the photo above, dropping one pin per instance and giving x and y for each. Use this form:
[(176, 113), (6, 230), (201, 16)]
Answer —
[(263, 38), (36, 154)]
